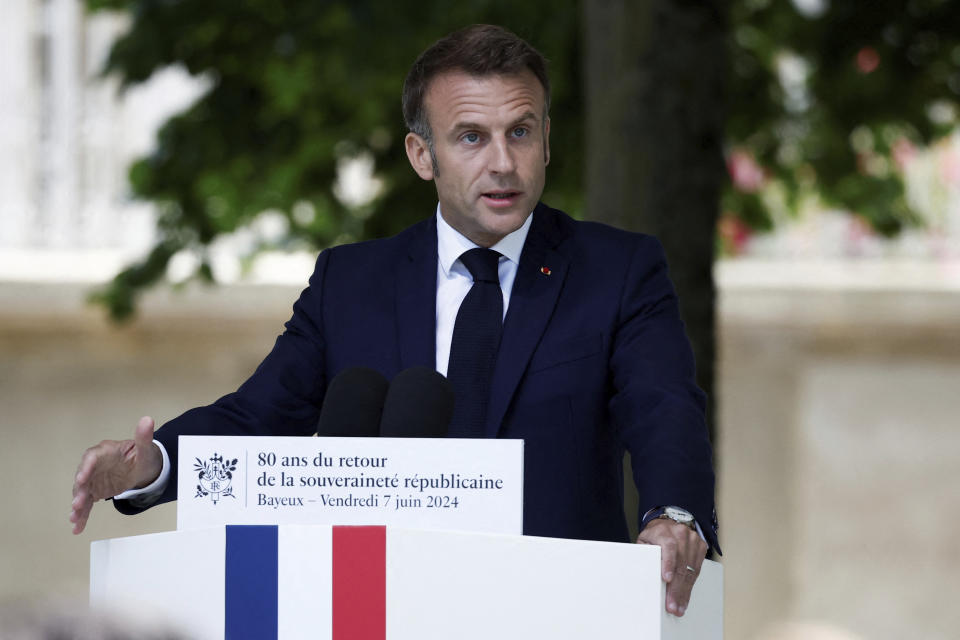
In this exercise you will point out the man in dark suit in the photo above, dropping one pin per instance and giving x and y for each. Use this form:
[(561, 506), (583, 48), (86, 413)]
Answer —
[(589, 356)]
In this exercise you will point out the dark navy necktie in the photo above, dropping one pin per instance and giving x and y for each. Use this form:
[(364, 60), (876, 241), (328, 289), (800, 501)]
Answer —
[(473, 350)]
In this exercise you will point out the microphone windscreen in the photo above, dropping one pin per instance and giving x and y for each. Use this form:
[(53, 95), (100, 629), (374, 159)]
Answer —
[(419, 404), (353, 404)]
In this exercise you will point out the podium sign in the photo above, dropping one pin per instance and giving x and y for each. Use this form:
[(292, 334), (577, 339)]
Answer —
[(420, 483)]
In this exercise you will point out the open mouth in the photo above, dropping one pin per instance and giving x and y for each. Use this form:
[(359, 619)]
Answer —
[(501, 195)]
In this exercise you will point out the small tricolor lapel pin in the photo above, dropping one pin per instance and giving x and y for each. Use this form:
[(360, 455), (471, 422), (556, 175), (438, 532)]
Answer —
[(545, 270)]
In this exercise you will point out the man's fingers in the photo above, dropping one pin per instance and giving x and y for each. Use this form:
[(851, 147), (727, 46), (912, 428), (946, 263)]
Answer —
[(143, 434), (679, 588), (82, 501), (668, 559), (81, 506), (79, 497), (678, 592), (101, 468), (90, 461), (699, 548), (80, 513), (87, 461), (689, 562), (79, 521)]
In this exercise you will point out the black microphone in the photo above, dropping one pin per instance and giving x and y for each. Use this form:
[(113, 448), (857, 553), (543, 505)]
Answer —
[(353, 404), (419, 404)]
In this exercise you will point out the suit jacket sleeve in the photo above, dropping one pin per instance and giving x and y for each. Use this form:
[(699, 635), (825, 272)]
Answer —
[(281, 398), (656, 407)]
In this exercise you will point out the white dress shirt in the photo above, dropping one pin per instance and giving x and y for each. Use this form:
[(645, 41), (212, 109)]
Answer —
[(454, 280)]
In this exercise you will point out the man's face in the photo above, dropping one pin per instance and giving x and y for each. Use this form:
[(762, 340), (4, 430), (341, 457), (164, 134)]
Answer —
[(492, 149)]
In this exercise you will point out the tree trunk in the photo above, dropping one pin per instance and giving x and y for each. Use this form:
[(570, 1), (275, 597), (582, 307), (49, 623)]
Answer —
[(654, 74)]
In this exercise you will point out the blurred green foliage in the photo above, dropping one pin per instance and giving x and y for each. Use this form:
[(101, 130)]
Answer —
[(816, 104), (825, 101)]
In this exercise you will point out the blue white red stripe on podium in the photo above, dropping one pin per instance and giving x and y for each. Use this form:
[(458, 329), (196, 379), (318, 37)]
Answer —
[(252, 606)]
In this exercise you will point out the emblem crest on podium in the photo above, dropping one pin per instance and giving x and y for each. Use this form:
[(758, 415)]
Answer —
[(215, 477)]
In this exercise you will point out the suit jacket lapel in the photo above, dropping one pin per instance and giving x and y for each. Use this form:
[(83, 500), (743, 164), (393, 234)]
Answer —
[(416, 299), (532, 302)]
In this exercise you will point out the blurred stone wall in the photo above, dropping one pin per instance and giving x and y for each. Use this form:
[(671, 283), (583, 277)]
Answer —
[(838, 492), (68, 379)]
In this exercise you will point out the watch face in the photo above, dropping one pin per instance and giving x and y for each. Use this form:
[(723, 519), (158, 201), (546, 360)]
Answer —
[(678, 514)]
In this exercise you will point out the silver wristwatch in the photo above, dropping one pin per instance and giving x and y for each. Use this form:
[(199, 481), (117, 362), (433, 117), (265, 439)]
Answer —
[(677, 514)]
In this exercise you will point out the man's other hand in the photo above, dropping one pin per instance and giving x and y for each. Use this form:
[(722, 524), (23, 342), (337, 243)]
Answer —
[(112, 467), (682, 551)]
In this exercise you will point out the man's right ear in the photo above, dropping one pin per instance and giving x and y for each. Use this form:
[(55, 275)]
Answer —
[(418, 153)]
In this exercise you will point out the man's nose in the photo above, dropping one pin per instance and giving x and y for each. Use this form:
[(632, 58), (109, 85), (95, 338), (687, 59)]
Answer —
[(501, 157)]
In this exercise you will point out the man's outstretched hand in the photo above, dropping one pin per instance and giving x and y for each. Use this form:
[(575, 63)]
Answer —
[(112, 467), (682, 551)]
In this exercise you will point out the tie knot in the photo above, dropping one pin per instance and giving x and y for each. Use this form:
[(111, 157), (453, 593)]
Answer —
[(482, 264)]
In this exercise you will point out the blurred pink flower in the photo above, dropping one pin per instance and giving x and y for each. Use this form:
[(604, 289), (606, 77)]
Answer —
[(903, 152), (859, 232), (746, 174), (734, 233), (867, 60), (950, 165)]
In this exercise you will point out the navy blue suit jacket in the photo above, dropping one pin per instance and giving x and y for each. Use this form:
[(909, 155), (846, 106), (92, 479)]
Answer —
[(593, 360)]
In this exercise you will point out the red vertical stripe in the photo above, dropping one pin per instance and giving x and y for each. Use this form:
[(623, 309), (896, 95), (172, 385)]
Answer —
[(359, 583)]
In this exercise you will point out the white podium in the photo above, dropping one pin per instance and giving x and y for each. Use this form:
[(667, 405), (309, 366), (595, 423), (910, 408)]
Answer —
[(383, 583)]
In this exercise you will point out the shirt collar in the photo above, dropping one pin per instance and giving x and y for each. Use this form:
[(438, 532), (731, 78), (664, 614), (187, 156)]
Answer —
[(451, 243)]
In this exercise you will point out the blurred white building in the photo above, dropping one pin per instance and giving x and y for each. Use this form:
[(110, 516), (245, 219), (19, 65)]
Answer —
[(67, 138)]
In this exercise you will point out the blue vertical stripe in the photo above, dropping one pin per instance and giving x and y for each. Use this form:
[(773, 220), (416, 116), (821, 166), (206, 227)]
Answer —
[(250, 607)]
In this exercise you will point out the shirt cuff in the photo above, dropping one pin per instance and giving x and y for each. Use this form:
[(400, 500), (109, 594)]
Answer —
[(148, 495)]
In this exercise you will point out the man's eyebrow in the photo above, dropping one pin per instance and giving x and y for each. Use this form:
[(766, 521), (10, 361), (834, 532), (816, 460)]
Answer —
[(529, 115), (467, 125), (461, 126)]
